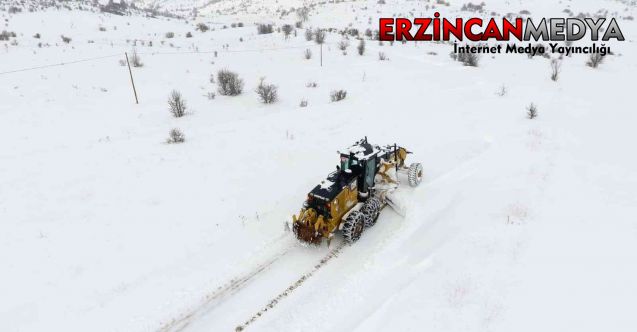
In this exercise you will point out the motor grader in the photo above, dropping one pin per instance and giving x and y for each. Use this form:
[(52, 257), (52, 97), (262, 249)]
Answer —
[(350, 199)]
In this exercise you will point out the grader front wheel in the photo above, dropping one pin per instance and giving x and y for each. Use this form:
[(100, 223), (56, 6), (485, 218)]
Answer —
[(415, 174)]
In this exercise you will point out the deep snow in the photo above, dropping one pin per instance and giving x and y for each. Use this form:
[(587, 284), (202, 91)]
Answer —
[(519, 225)]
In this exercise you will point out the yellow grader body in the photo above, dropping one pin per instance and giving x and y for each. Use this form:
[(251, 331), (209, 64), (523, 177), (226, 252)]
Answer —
[(311, 227), (351, 198)]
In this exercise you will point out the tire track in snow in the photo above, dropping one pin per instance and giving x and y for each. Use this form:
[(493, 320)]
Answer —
[(214, 298), (333, 253)]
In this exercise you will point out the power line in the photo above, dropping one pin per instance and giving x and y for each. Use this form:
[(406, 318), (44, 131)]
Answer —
[(59, 64), (153, 53)]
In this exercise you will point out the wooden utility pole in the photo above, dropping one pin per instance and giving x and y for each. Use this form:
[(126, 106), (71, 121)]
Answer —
[(131, 78)]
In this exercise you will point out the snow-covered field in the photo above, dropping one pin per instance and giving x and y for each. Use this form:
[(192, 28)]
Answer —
[(519, 225)]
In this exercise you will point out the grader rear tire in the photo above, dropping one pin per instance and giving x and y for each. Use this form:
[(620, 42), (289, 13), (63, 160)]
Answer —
[(353, 226), (415, 174)]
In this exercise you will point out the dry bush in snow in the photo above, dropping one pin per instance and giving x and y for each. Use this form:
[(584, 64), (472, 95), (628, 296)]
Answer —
[(502, 91), (467, 59), (303, 103), (264, 29), (556, 66), (170, 35), (309, 35), (382, 56), (175, 136), (66, 39), (338, 95), (343, 45), (311, 84), (319, 36), (135, 60), (176, 104), (202, 27), (267, 92), (229, 83), (287, 30), (361, 47), (307, 54), (531, 111), (303, 13), (470, 59), (5, 35), (595, 60)]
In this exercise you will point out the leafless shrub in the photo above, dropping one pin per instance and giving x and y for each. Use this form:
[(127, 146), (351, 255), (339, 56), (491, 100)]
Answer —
[(5, 35), (467, 59), (467, 7), (502, 91), (303, 103), (37, 36), (175, 136), (170, 35), (531, 111), (303, 13), (338, 95), (264, 29), (66, 39), (361, 47), (267, 92), (211, 95), (470, 59), (595, 60), (556, 66), (188, 34), (229, 83), (202, 27), (382, 56), (311, 84), (287, 30), (343, 44), (319, 36), (176, 104), (135, 59), (307, 54), (309, 35)]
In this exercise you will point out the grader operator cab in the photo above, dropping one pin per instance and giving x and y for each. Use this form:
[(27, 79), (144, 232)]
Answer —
[(351, 198)]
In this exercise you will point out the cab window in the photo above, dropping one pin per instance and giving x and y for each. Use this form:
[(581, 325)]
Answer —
[(344, 163)]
